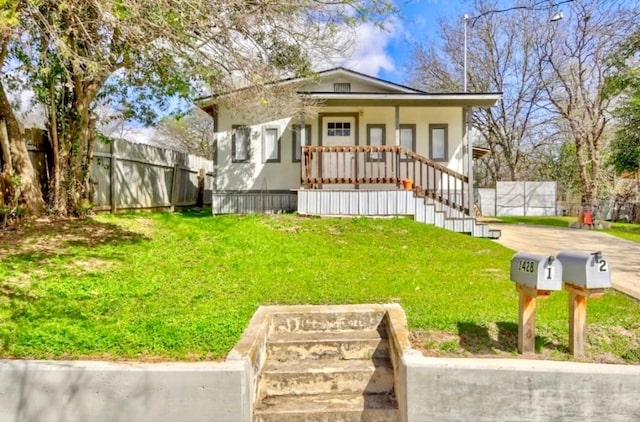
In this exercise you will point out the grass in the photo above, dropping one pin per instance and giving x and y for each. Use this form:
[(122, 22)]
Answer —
[(628, 231), (184, 286)]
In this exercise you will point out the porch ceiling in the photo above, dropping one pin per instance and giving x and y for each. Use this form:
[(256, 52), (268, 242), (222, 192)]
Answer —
[(479, 152), (407, 100)]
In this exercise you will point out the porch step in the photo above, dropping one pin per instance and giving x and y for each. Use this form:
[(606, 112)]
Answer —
[(460, 225), (450, 212), (373, 376), (481, 230), (328, 408), (345, 345), (495, 233), (439, 218)]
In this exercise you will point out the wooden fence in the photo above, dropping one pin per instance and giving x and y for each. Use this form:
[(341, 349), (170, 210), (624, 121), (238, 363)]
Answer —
[(128, 176)]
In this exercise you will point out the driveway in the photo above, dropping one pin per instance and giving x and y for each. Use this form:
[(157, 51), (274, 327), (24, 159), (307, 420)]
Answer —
[(623, 255)]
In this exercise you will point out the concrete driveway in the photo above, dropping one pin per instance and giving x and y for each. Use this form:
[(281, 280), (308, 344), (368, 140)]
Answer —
[(623, 255)]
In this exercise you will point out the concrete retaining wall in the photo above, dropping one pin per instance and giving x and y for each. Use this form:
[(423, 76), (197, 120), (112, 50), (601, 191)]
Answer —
[(519, 390), (124, 392), (436, 390)]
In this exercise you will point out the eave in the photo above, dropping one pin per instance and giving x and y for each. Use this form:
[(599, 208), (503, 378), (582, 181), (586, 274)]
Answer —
[(479, 152), (411, 100)]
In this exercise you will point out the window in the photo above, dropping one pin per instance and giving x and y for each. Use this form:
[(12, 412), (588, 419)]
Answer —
[(296, 134), (342, 87), (339, 129), (271, 145), (438, 149), (376, 137), (408, 137), (240, 144)]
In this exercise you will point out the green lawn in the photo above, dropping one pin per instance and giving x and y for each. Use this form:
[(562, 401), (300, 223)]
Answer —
[(184, 286), (627, 231)]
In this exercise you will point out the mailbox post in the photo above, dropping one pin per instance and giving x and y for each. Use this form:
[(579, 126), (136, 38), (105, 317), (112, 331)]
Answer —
[(585, 275), (535, 276)]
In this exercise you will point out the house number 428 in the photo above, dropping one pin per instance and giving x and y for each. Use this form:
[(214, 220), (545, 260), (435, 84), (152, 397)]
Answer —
[(526, 266)]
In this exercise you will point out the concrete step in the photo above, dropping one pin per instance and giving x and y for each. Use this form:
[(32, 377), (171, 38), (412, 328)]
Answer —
[(480, 230), (430, 214), (421, 211), (345, 345), (327, 321), (328, 408), (460, 225), (326, 376), (494, 233)]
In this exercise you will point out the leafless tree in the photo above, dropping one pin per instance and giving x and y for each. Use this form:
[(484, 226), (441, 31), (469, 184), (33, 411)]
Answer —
[(192, 133), (501, 57), (572, 62)]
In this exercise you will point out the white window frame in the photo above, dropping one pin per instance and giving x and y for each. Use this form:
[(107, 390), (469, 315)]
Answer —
[(376, 156), (236, 129), (445, 128), (270, 158), (296, 146)]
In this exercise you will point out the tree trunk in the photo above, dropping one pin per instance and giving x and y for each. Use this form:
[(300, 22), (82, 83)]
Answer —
[(7, 163), (56, 198), (30, 192), (585, 191)]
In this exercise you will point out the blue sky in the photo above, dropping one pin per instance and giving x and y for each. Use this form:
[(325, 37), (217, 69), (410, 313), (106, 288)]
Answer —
[(386, 54)]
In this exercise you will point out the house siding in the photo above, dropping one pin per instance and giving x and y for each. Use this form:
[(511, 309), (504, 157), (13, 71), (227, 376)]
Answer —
[(257, 175)]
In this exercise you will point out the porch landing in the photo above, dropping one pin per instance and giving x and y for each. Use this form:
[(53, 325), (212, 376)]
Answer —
[(356, 202)]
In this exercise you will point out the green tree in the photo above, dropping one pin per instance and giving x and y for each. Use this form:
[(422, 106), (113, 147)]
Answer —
[(624, 84), (78, 54), (18, 181)]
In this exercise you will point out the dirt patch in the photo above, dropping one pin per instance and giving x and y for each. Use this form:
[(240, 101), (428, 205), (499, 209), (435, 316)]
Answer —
[(39, 238), (500, 341)]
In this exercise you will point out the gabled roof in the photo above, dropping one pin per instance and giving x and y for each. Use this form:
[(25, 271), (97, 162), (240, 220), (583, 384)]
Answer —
[(386, 85), (378, 92)]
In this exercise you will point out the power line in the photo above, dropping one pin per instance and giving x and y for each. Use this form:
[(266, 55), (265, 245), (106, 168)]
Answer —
[(534, 6)]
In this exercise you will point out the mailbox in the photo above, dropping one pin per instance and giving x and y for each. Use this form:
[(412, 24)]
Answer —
[(537, 272), (589, 271)]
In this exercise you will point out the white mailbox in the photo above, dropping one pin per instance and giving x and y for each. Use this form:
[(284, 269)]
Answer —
[(590, 271), (537, 272)]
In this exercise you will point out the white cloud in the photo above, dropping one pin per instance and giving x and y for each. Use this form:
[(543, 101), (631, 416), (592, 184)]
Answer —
[(366, 52), (369, 53), (28, 112)]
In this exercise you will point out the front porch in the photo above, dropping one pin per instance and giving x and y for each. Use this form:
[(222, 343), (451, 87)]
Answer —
[(385, 167), (358, 180), (385, 181)]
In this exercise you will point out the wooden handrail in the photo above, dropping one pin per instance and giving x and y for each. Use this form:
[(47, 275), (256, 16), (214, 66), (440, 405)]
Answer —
[(383, 164), (386, 148)]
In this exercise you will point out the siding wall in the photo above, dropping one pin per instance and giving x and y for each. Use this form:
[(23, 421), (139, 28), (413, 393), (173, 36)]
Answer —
[(256, 175), (253, 202), (328, 202)]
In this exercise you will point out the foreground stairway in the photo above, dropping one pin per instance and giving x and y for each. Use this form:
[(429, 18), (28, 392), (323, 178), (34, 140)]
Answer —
[(326, 367)]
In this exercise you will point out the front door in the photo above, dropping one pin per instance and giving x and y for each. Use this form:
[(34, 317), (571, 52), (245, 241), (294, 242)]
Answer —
[(339, 131)]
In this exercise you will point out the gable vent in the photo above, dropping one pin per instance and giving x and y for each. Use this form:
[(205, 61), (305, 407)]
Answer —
[(342, 87)]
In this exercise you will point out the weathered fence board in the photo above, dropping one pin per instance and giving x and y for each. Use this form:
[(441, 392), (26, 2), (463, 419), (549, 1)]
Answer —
[(132, 176), (128, 176)]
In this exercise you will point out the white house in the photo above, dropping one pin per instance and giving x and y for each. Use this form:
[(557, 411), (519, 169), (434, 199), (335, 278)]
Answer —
[(373, 148)]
